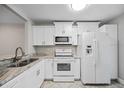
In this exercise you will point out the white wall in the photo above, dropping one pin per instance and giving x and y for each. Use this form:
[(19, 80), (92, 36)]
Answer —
[(11, 37), (120, 22)]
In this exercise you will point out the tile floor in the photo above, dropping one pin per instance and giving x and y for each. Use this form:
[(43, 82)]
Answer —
[(78, 84)]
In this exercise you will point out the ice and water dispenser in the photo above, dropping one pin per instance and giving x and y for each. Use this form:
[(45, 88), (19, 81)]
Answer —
[(88, 49)]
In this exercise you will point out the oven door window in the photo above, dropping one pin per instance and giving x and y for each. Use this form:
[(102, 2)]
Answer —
[(62, 39), (63, 67)]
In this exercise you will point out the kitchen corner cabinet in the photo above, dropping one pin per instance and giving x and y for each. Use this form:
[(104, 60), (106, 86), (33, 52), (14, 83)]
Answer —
[(77, 68), (31, 78), (63, 28), (43, 35), (48, 73)]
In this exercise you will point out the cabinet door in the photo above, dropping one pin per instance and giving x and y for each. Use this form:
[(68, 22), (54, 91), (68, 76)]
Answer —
[(63, 28), (68, 29), (34, 76), (49, 33), (38, 35), (74, 36), (59, 30), (48, 68), (77, 68), (22, 80)]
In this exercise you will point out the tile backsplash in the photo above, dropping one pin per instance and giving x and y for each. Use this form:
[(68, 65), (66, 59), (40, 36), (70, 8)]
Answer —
[(44, 50), (49, 50)]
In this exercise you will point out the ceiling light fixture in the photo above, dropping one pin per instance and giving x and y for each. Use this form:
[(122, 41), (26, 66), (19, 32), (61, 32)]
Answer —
[(77, 7)]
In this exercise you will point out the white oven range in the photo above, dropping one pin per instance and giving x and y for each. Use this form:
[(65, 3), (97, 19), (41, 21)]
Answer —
[(63, 66), (63, 69)]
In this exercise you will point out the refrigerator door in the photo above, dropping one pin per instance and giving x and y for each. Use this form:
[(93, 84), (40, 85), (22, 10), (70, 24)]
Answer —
[(103, 68), (88, 58), (111, 30)]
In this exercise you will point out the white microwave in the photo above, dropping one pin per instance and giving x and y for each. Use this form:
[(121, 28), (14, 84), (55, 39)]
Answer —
[(61, 40)]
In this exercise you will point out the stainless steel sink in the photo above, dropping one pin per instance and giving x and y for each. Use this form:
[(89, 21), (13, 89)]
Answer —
[(23, 63)]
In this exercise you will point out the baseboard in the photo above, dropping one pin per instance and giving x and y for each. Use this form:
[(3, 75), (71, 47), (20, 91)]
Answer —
[(121, 81)]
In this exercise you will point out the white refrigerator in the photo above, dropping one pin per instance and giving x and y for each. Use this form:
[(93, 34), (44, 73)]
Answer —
[(95, 62)]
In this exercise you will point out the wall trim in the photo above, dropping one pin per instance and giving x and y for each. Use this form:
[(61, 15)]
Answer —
[(121, 80)]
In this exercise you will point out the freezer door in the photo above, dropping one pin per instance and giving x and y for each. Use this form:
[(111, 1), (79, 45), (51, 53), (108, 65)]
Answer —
[(88, 58)]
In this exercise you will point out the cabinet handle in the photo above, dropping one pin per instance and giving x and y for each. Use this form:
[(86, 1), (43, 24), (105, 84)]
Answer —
[(38, 72)]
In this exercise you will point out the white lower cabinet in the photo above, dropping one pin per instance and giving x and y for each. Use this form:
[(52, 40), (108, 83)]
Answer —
[(31, 78), (48, 69), (35, 76), (18, 82), (77, 69)]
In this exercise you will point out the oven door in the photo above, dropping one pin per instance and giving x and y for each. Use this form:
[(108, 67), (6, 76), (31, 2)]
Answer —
[(64, 67)]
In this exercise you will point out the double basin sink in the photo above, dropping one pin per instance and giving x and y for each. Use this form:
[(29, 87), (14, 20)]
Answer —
[(23, 63)]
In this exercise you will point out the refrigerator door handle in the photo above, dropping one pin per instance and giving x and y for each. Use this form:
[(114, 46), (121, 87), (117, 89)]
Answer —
[(95, 52)]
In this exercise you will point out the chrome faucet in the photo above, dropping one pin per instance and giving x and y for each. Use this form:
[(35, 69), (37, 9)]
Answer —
[(16, 58)]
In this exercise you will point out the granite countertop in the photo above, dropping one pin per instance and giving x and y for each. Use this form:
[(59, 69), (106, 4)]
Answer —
[(3, 57), (43, 57)]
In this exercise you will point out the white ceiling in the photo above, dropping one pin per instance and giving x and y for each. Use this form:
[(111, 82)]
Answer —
[(7, 16), (61, 12)]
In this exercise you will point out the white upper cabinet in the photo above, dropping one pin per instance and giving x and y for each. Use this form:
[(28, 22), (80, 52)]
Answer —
[(38, 35), (87, 26), (74, 35), (49, 35), (43, 35), (63, 28)]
